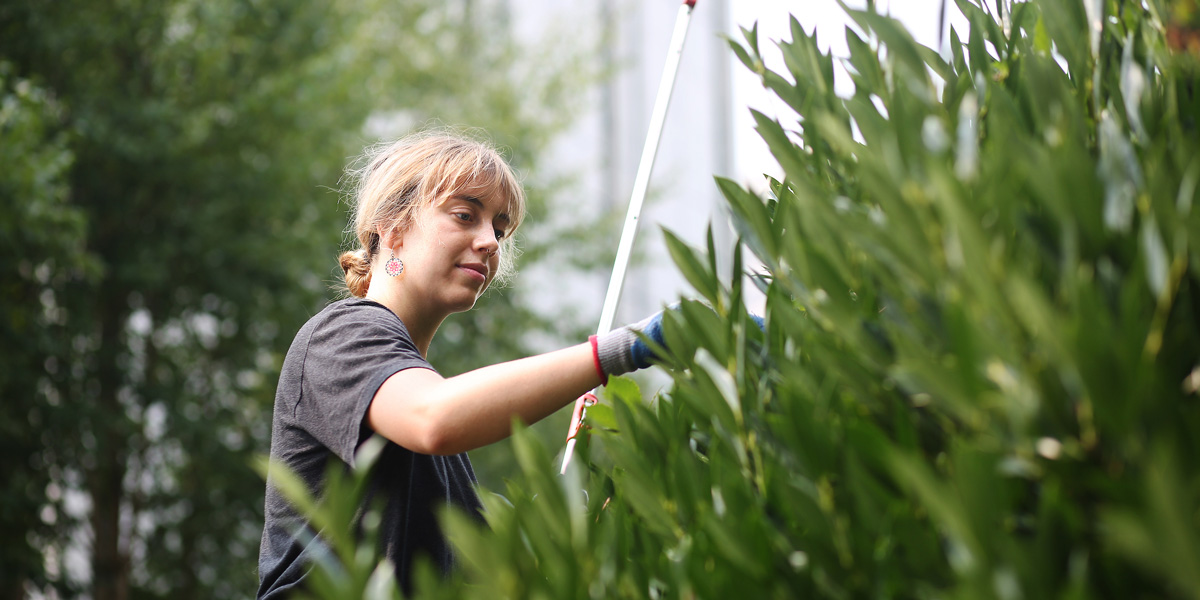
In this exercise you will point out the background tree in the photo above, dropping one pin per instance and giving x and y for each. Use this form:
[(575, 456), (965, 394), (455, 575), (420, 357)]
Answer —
[(170, 217), (41, 236)]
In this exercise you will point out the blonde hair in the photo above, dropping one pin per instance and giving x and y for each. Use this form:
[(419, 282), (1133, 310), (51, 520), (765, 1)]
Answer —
[(391, 182)]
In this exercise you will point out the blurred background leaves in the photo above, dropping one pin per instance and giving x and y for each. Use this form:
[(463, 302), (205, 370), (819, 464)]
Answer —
[(170, 215)]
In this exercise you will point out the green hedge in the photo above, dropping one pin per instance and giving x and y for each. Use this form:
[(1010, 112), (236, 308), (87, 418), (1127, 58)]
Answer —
[(978, 375)]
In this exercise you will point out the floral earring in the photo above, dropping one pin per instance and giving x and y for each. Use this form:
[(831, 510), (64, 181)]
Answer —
[(394, 266)]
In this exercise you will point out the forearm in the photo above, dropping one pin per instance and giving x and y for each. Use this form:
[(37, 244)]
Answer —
[(447, 416), (478, 407)]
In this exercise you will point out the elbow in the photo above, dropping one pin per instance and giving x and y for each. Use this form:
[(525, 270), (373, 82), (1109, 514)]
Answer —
[(439, 440), (430, 440), (419, 431), (441, 435), (416, 410)]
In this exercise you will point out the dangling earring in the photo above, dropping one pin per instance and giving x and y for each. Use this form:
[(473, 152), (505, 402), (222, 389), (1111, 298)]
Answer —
[(393, 266)]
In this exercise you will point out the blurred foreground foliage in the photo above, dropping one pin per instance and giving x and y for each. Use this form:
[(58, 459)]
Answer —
[(978, 376), (169, 216)]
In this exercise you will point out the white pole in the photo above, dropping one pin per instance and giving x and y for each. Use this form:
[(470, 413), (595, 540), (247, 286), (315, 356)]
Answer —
[(640, 184)]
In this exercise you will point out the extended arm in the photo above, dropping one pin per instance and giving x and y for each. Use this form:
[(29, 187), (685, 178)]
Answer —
[(430, 414)]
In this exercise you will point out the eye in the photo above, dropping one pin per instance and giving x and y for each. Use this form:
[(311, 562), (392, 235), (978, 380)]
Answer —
[(499, 234), (462, 216)]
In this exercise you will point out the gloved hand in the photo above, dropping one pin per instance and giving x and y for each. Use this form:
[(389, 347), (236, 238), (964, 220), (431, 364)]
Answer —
[(621, 350)]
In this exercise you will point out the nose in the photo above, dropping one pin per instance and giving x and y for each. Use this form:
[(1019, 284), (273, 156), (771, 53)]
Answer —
[(486, 242)]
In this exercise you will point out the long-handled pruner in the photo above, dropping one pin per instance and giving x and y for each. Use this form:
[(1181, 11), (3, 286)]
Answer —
[(629, 230)]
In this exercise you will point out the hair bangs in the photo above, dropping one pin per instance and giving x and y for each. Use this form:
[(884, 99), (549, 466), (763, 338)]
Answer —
[(478, 171)]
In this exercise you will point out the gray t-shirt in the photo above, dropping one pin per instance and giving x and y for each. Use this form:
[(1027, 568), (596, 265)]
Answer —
[(335, 365)]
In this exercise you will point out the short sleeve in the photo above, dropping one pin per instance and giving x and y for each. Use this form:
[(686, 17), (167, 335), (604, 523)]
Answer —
[(350, 354)]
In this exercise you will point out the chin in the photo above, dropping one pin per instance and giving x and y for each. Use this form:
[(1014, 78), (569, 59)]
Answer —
[(464, 301), (462, 305)]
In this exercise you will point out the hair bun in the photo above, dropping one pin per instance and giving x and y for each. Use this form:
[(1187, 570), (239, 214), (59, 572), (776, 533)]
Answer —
[(357, 267)]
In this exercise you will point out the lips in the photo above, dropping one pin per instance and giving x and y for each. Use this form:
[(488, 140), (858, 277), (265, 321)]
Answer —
[(477, 269)]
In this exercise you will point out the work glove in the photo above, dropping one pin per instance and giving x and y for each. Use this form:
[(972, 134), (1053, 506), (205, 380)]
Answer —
[(622, 350)]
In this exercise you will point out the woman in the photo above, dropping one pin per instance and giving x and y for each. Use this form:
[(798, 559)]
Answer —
[(434, 214)]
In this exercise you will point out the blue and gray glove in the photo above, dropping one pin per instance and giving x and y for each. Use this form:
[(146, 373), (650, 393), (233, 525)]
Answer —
[(621, 350)]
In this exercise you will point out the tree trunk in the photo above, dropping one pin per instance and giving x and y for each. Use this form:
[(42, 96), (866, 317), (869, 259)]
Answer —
[(110, 563)]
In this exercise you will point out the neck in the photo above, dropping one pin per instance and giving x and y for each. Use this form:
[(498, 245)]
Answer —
[(421, 323)]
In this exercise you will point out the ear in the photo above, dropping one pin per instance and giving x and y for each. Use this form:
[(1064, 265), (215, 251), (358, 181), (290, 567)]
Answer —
[(390, 237)]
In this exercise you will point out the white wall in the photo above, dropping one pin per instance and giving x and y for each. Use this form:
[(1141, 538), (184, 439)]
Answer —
[(605, 146)]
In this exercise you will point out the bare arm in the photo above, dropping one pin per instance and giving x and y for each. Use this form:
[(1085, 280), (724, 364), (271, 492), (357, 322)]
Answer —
[(427, 413)]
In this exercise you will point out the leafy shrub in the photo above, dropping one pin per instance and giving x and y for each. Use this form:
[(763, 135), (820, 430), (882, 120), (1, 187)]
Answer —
[(978, 375)]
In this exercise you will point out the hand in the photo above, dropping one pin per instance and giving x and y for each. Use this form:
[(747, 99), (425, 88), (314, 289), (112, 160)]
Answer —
[(621, 350)]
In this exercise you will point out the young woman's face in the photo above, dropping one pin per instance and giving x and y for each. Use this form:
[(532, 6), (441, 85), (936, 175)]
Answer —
[(451, 252)]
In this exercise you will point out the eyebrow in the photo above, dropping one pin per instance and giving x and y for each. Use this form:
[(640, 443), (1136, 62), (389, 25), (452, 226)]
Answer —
[(477, 202)]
